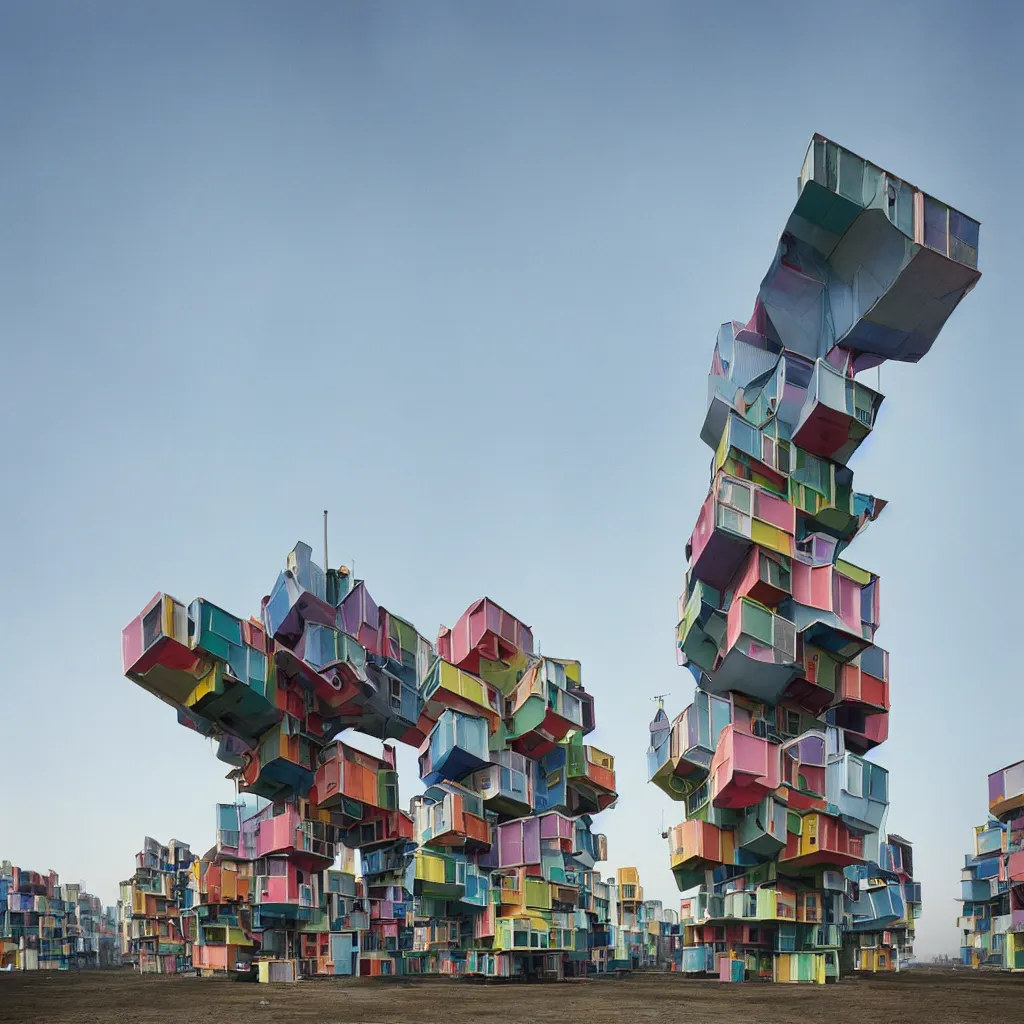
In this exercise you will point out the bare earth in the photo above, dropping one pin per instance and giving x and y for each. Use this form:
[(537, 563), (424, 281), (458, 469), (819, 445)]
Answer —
[(123, 997)]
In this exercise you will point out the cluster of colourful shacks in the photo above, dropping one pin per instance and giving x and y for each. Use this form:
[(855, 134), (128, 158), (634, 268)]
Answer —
[(785, 831), (992, 882), (49, 925), (317, 869), (491, 870)]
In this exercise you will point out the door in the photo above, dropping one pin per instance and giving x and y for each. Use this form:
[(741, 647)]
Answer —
[(341, 953)]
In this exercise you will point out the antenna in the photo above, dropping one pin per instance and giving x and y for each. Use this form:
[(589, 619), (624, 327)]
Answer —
[(660, 698), (663, 830), (325, 543)]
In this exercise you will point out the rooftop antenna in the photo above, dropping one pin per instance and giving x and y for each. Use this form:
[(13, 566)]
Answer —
[(325, 543), (660, 698)]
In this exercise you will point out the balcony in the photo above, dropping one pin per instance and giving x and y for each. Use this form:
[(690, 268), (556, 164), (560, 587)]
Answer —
[(486, 633), (519, 843), (240, 707), (736, 515), (861, 731), (1015, 867), (299, 596), (591, 775), (449, 815), (559, 830), (884, 247), (232, 840), (803, 768), (387, 828), (821, 839), (741, 361), (284, 895), (766, 578), (439, 876), (744, 770), (989, 839), (762, 830), (358, 615), (342, 660), (701, 630), (311, 842), (834, 611), (448, 687), (1006, 790), (544, 708), (860, 790), (838, 413), (456, 747), (692, 739), (760, 655), (975, 889), (696, 847), (864, 682), (523, 934), (348, 781), (588, 848), (750, 445), (156, 654), (506, 786), (283, 764), (878, 908)]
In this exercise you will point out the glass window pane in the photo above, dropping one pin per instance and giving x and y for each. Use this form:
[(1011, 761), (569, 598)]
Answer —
[(757, 622), (935, 216), (963, 228)]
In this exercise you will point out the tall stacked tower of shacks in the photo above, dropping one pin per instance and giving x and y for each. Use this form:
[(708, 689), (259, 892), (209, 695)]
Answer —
[(991, 918), (153, 902), (491, 871), (784, 836)]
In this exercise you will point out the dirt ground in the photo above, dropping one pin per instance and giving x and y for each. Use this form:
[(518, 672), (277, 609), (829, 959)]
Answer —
[(123, 997)]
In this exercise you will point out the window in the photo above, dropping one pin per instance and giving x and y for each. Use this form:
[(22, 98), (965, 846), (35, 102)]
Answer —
[(734, 495), (151, 630), (744, 437), (936, 217), (854, 777), (963, 239), (783, 459)]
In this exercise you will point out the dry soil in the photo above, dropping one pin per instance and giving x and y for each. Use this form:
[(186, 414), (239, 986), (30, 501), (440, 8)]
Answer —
[(123, 997)]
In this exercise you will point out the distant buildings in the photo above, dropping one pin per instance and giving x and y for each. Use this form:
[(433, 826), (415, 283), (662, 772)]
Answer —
[(991, 918), (491, 871), (784, 839), (45, 925), (151, 907)]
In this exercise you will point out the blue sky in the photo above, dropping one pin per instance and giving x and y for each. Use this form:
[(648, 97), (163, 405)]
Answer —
[(454, 271)]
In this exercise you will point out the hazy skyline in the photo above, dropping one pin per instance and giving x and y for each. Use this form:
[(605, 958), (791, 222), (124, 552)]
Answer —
[(454, 272)]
